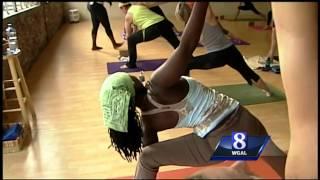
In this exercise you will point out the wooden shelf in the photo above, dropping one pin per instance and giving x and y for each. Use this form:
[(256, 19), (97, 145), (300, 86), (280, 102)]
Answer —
[(11, 110), (21, 103), (10, 80)]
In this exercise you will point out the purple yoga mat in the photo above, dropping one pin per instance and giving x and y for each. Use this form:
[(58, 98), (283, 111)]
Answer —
[(142, 65), (259, 27), (239, 42)]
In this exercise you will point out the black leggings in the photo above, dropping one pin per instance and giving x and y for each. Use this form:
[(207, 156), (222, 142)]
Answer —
[(99, 15), (249, 6), (159, 29), (229, 56), (159, 11)]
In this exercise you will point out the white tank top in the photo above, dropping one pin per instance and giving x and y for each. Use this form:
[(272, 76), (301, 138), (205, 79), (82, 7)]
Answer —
[(213, 38), (202, 108)]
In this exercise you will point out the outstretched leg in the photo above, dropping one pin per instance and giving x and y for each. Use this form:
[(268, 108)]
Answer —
[(147, 34), (253, 9), (167, 33), (236, 61)]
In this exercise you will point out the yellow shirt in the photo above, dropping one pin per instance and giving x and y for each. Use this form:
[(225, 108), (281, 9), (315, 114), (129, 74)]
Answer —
[(143, 17)]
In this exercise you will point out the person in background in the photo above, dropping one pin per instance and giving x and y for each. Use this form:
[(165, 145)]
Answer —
[(149, 26), (99, 16), (182, 13), (248, 6), (221, 51)]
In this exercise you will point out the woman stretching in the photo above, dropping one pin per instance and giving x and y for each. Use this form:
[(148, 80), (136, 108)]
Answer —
[(221, 51), (170, 100), (248, 6), (150, 26), (99, 15)]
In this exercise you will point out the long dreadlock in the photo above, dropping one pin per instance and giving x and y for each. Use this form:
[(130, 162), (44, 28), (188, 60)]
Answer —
[(128, 144)]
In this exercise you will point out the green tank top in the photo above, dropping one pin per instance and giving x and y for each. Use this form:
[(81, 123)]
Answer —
[(143, 17)]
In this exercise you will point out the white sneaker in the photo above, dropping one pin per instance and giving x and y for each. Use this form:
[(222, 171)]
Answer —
[(124, 59), (268, 94)]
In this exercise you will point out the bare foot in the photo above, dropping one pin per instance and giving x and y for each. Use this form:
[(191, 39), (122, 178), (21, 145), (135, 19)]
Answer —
[(117, 45), (262, 85), (95, 48)]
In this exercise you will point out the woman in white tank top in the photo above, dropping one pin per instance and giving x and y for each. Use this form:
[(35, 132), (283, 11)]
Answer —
[(169, 101), (220, 50)]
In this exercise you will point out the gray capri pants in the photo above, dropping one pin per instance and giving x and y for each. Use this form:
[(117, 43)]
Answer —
[(191, 150)]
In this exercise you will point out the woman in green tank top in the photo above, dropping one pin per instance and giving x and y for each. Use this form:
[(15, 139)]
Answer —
[(149, 26)]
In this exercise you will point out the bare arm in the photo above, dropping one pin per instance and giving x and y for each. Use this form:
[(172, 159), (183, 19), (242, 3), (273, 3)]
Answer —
[(297, 35), (170, 72), (127, 25), (134, 28)]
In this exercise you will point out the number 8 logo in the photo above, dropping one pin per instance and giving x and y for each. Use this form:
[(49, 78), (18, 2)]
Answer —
[(239, 140)]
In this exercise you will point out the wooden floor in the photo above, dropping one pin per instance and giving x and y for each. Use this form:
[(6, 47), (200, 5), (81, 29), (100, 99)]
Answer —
[(72, 141)]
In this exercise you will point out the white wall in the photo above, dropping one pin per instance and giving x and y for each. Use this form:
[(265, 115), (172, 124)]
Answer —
[(228, 9)]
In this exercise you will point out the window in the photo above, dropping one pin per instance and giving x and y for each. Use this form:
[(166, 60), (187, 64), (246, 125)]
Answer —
[(11, 8)]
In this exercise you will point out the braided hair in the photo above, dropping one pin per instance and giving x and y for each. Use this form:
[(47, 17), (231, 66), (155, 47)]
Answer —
[(128, 144)]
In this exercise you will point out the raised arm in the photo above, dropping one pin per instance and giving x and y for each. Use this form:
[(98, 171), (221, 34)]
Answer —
[(170, 72)]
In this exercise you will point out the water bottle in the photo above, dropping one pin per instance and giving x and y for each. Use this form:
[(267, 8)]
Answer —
[(268, 63), (12, 38)]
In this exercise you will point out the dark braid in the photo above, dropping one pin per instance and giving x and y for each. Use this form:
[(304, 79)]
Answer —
[(128, 144)]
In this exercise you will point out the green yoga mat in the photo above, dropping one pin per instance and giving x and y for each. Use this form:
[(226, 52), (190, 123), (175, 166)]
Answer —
[(248, 95)]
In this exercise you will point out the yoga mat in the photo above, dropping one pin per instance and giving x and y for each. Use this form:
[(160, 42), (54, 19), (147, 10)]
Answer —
[(259, 27), (239, 42), (142, 65), (248, 95), (259, 168), (256, 62)]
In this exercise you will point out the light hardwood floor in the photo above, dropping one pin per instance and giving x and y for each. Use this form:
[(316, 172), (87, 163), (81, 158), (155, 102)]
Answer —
[(72, 141)]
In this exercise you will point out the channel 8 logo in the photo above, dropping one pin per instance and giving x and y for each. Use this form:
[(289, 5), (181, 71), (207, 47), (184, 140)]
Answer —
[(239, 140), (240, 146)]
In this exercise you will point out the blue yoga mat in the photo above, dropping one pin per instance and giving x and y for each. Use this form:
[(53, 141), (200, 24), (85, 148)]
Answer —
[(142, 65)]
